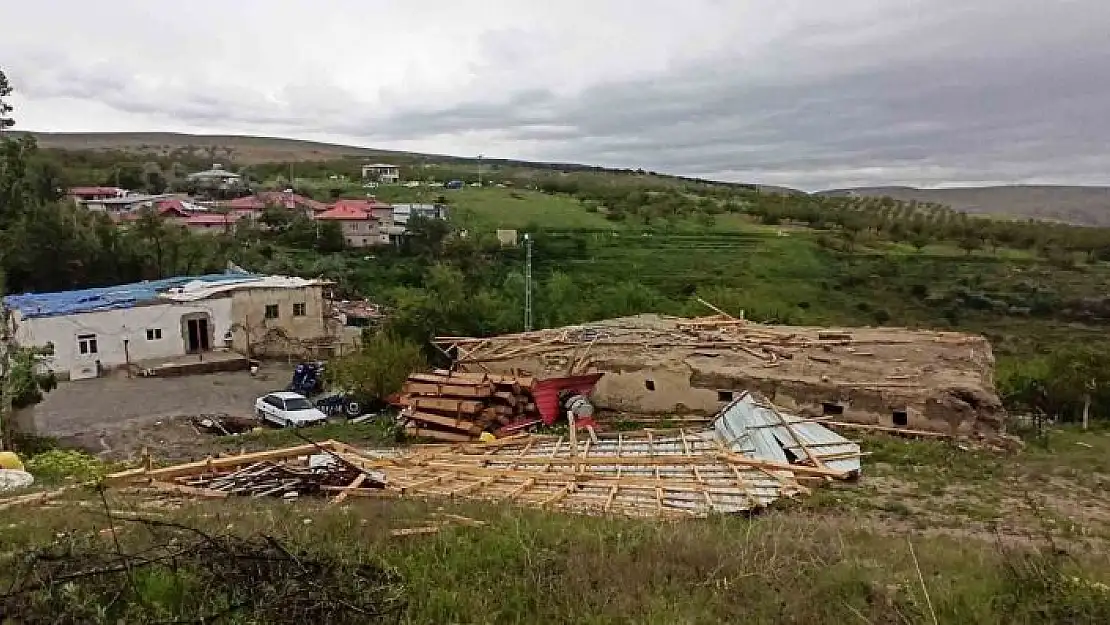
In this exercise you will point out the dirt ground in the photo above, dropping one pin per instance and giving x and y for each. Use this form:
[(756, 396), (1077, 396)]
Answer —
[(116, 416)]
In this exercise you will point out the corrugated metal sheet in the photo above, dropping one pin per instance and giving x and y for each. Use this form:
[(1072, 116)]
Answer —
[(107, 298), (758, 429)]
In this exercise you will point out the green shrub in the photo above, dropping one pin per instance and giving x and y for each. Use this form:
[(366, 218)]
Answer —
[(62, 464)]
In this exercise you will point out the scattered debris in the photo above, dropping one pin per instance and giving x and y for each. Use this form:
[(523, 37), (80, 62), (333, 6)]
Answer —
[(224, 425), (753, 455)]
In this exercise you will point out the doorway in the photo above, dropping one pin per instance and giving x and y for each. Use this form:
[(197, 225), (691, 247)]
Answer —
[(196, 335)]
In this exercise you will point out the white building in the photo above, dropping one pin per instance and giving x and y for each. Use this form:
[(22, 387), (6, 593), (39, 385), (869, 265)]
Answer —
[(217, 177), (96, 330), (381, 172), (403, 212)]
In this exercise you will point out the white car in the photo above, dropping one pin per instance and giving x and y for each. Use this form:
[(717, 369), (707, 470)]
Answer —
[(286, 409)]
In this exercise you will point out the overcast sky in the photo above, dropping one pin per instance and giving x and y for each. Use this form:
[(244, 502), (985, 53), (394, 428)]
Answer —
[(805, 93)]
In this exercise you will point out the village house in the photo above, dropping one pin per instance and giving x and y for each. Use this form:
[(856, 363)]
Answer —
[(80, 195), (137, 326), (381, 172), (364, 223), (130, 203), (216, 178), (402, 213), (209, 223)]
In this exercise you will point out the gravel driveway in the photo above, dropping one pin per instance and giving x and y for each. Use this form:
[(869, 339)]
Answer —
[(90, 413)]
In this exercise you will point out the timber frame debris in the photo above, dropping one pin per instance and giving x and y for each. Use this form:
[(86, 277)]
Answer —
[(753, 456)]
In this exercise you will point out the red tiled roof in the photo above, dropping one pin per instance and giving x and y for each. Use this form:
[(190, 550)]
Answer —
[(249, 202), (175, 208), (362, 204), (342, 211), (291, 200)]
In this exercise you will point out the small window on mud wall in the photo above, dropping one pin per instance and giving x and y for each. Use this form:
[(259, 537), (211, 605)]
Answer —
[(154, 334), (271, 311), (724, 395), (649, 385), (86, 343), (831, 409), (300, 309), (901, 418)]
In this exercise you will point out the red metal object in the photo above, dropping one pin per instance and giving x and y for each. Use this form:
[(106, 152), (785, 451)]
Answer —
[(546, 393)]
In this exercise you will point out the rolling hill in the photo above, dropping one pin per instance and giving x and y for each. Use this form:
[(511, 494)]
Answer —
[(1087, 206), (242, 150), (1082, 205)]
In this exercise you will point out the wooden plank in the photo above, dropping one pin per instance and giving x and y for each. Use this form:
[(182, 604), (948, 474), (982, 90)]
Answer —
[(438, 435), (508, 397), (448, 390), (212, 464), (443, 404), (453, 423), (350, 487), (882, 428), (454, 379)]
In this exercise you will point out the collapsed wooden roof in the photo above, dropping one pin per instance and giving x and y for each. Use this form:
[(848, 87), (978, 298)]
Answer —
[(916, 366), (754, 456)]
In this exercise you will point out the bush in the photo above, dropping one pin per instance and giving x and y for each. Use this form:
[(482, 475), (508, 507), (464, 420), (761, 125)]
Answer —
[(378, 369), (61, 464)]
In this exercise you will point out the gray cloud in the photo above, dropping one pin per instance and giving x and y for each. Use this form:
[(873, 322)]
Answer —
[(899, 92)]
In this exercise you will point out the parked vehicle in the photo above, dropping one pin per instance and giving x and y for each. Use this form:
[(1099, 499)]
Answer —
[(288, 409), (308, 380)]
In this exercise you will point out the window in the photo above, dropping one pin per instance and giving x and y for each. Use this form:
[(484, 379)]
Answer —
[(275, 402), (293, 404), (901, 418), (271, 311), (724, 395), (830, 409), (86, 343), (154, 334), (300, 309), (649, 385)]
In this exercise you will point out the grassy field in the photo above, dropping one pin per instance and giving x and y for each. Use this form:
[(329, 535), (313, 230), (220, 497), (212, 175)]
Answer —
[(995, 539), (490, 209)]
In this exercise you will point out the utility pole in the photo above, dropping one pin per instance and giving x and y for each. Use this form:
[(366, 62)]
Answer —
[(527, 282)]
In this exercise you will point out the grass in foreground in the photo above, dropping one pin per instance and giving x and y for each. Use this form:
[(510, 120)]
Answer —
[(534, 567), (981, 552)]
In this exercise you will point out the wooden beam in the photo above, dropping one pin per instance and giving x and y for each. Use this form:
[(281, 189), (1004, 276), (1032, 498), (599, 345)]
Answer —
[(212, 464)]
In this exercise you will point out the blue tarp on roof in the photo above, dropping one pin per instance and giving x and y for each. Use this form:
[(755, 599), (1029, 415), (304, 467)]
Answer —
[(32, 305)]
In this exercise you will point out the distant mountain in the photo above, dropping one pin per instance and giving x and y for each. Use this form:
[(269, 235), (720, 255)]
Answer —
[(240, 149), (247, 150), (1087, 206)]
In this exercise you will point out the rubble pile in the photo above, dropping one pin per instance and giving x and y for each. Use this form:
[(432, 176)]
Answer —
[(459, 407)]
